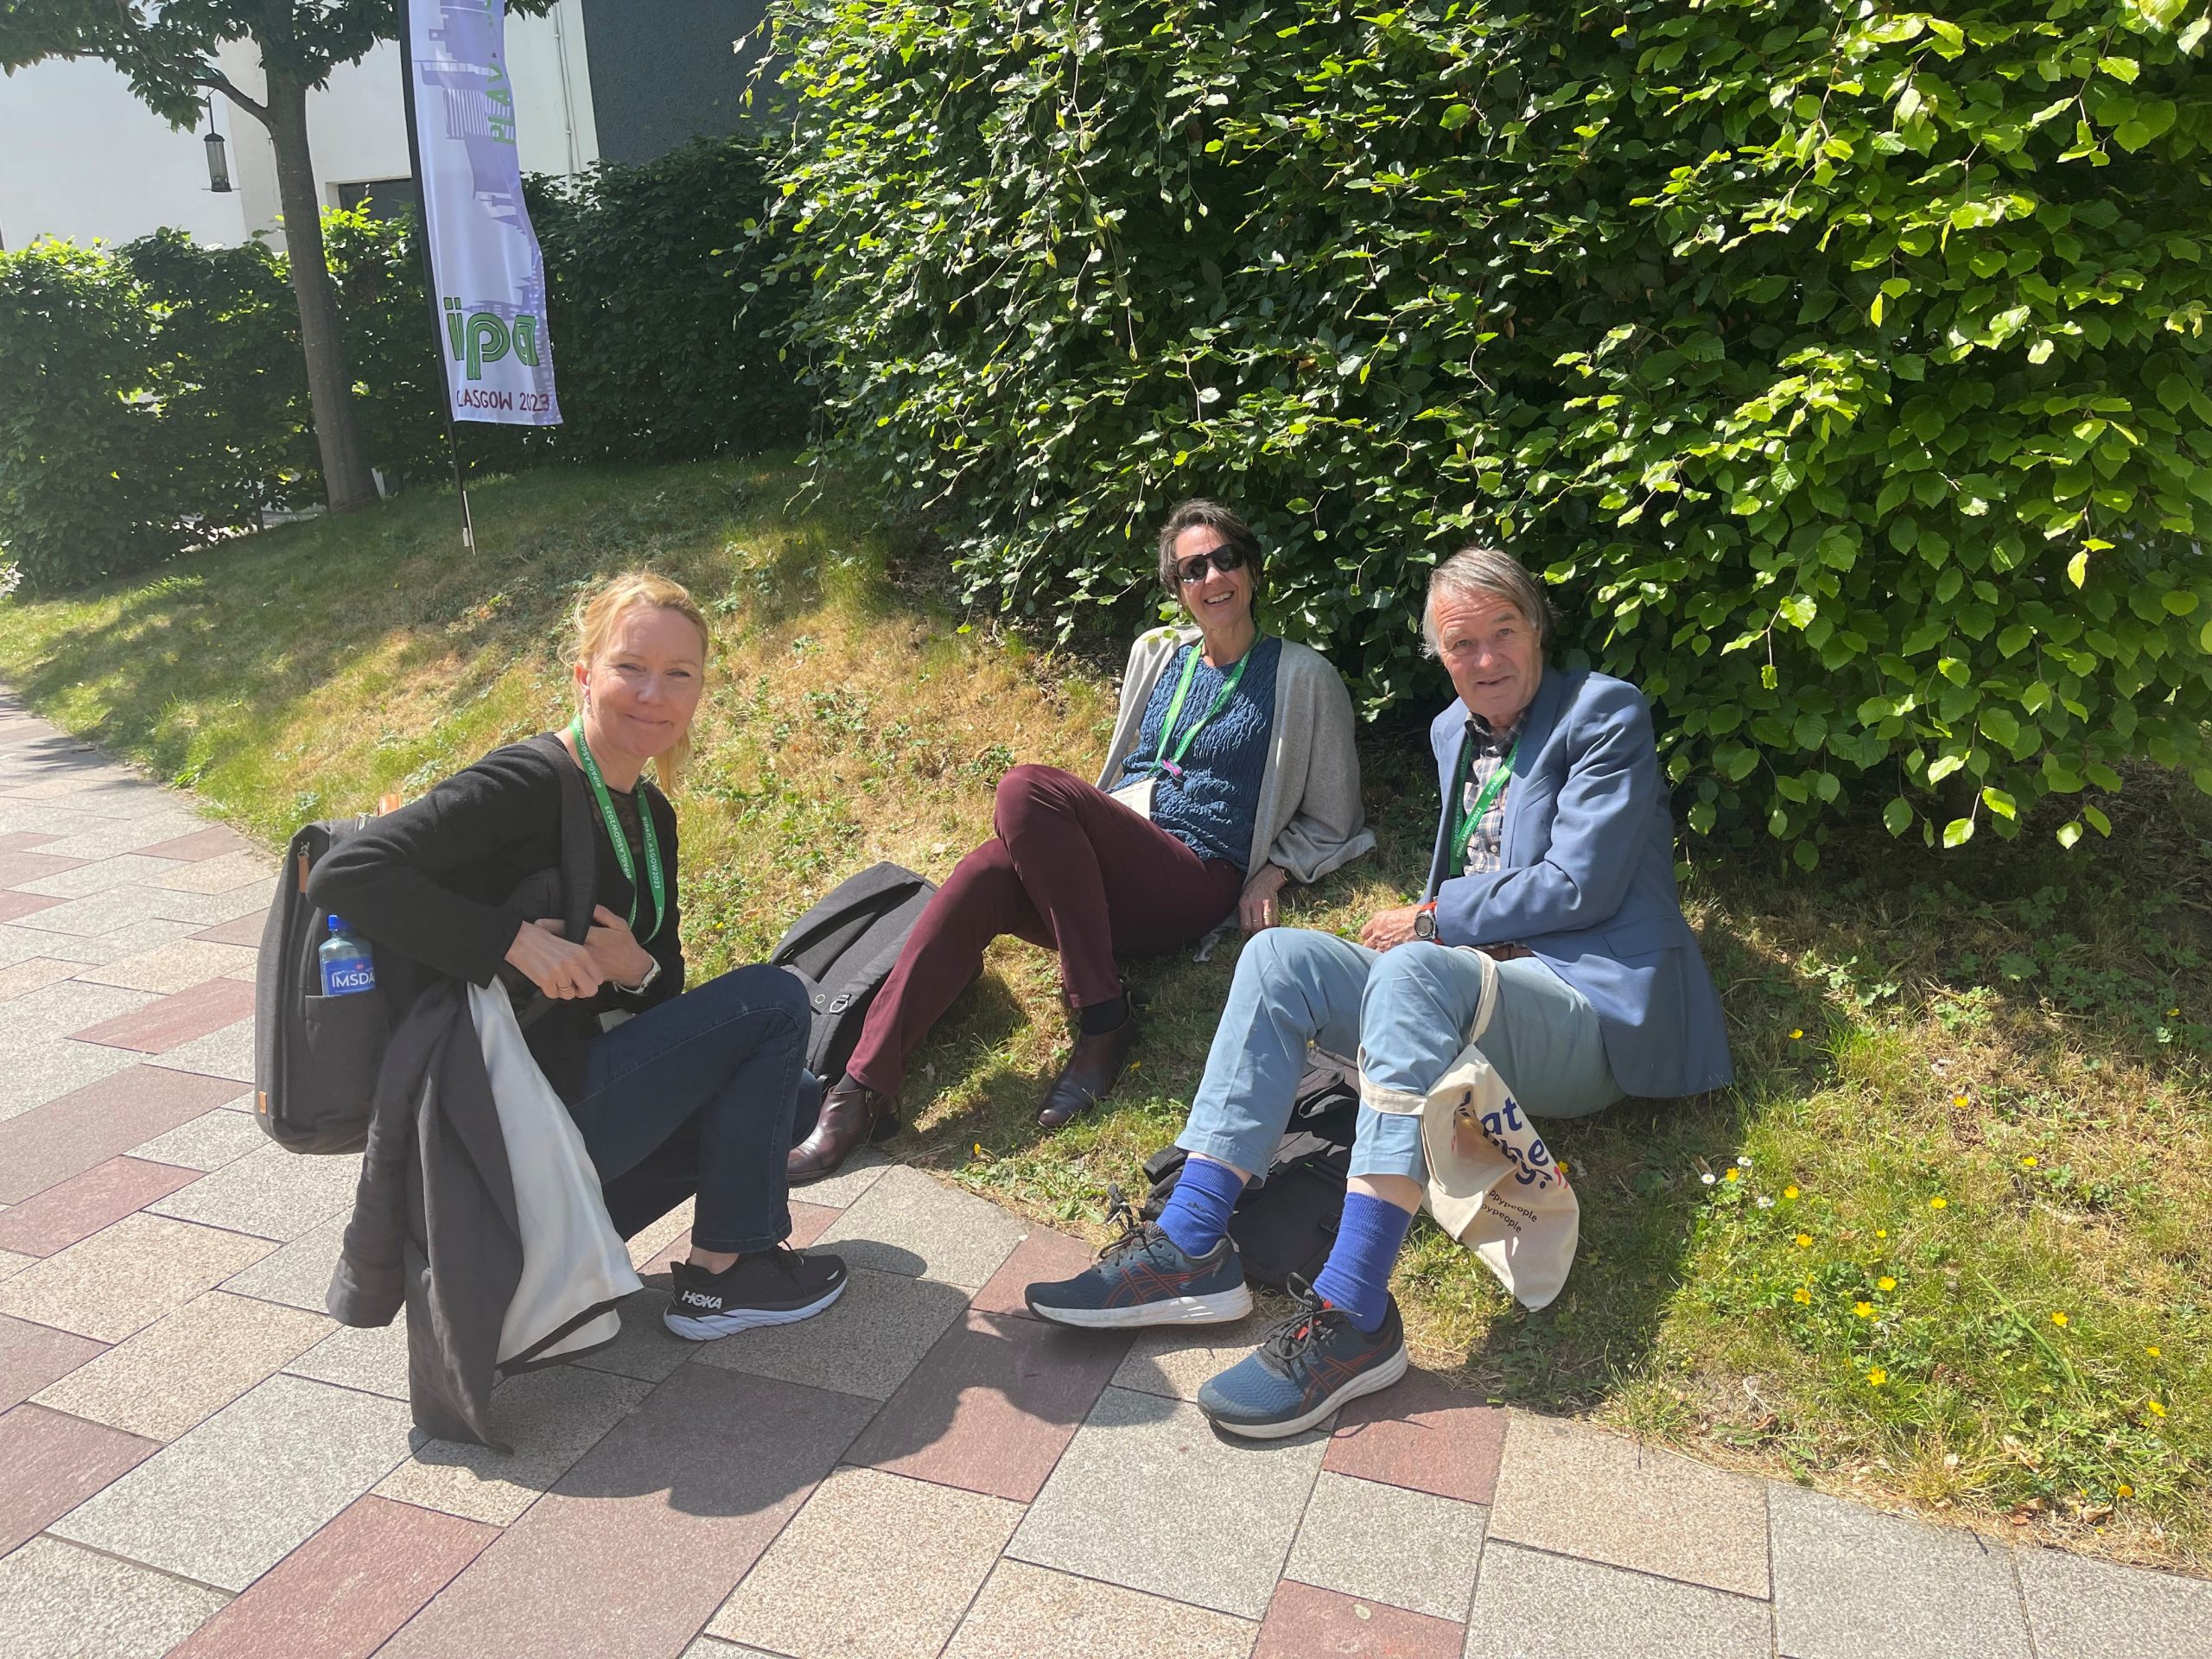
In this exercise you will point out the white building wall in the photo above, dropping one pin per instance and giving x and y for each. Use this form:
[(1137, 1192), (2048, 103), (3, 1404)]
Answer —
[(80, 157)]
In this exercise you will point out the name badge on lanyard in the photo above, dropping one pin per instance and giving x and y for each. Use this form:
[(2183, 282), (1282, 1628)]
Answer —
[(1137, 794)]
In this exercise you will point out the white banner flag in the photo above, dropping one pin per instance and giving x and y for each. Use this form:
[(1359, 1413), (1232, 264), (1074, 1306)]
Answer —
[(490, 277)]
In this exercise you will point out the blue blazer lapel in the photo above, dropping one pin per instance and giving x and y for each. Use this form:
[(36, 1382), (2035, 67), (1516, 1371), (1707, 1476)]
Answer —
[(1536, 732)]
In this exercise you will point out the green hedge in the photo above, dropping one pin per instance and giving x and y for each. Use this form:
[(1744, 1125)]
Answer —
[(1845, 370), (154, 395)]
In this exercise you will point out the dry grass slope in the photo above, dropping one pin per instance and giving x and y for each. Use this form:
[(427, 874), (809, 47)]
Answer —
[(1972, 1096)]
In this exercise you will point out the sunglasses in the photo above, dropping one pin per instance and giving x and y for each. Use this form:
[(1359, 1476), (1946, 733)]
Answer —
[(1223, 559)]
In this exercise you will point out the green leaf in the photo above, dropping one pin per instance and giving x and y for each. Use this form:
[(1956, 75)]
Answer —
[(1455, 118), (1998, 723), (2098, 822), (1897, 817), (1958, 832), (1999, 802), (2069, 833), (2077, 568)]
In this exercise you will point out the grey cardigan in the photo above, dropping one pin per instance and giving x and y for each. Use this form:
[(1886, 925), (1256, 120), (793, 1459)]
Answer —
[(1309, 819)]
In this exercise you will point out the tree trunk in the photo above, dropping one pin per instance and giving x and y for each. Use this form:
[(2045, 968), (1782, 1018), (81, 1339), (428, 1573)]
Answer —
[(330, 387)]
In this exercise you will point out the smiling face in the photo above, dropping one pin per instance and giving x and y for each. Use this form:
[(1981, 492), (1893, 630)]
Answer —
[(1221, 598), (1494, 654), (642, 688)]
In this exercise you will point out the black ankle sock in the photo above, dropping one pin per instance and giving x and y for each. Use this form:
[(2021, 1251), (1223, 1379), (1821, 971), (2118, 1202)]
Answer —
[(1102, 1017)]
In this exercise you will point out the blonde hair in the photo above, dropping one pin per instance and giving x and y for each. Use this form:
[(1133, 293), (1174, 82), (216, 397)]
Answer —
[(598, 610)]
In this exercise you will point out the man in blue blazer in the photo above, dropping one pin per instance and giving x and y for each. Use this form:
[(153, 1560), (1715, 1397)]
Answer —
[(1555, 857)]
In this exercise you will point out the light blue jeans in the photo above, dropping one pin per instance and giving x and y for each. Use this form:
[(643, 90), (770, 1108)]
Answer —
[(1410, 1007)]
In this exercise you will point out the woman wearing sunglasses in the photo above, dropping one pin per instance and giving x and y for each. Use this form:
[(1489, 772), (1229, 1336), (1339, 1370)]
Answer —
[(1231, 771)]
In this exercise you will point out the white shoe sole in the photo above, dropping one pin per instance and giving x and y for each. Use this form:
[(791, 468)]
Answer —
[(746, 1318), (1220, 1308), (1373, 1382)]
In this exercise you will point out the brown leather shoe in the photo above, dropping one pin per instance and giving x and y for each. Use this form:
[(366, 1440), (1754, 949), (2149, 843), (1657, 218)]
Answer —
[(1091, 1073), (852, 1114)]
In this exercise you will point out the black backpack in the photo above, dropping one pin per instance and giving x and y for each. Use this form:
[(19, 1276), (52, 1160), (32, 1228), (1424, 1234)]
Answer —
[(316, 1057), (842, 950), (1285, 1223)]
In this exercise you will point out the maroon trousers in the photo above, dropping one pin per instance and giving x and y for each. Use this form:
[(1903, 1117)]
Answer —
[(1071, 870)]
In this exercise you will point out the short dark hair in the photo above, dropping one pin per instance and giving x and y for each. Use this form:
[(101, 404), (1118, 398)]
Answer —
[(1196, 513)]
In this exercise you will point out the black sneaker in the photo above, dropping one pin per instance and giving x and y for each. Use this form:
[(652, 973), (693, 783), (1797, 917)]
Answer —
[(1313, 1361), (778, 1286)]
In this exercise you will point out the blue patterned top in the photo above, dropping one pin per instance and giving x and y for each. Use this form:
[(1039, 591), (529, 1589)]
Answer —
[(1211, 810)]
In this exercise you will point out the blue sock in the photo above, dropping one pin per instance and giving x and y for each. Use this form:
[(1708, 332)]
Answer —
[(1356, 1276), (1197, 1215)]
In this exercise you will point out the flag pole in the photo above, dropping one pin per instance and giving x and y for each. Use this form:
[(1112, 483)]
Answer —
[(430, 268)]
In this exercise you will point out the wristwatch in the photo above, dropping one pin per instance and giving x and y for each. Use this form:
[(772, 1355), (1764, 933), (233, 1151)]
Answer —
[(645, 984), (1424, 922)]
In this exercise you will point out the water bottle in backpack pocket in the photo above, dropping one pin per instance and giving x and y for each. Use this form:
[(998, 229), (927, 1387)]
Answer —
[(347, 967)]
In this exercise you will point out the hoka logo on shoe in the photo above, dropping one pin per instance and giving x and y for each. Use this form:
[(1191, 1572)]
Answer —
[(700, 1299)]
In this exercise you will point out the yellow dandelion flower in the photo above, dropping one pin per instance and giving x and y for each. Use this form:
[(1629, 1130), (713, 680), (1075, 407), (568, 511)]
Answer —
[(1796, 1034), (2058, 1319), (1881, 1232), (1961, 1101), (2173, 1014), (1788, 1192), (1728, 1175), (2028, 1162), (1886, 1283), (1804, 1241), (1864, 1310), (1939, 1203), (979, 1148), (2157, 1410), (2152, 1351), (1560, 1164), (2124, 1490), (1802, 1295), (1877, 1377)]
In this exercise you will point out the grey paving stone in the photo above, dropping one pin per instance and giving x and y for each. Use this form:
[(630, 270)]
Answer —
[(224, 1053), (60, 1602), (30, 974), (372, 1359), (1177, 1360), (21, 944), (183, 1369), (1170, 1486), (64, 1007), (225, 874), (100, 875), (1848, 1582), (1577, 1490), (861, 1172), (550, 1417), (270, 1193), (118, 908), (45, 1072), (297, 1274), (1530, 1606), (209, 1141), (652, 1239), (910, 1222), (1386, 1543), (713, 1647), (645, 1348), (1026, 1612), (127, 1275), (2079, 1609), (866, 1343), (12, 1264), (235, 1495), (828, 1589), (175, 965)]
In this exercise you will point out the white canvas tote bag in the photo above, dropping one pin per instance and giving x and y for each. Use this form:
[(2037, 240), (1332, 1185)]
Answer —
[(572, 1258), (1493, 1183)]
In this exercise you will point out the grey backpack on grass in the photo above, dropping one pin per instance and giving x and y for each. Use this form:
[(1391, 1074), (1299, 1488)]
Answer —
[(844, 949), (316, 1058)]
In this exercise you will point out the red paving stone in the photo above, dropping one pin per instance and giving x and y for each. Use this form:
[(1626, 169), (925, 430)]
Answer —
[(239, 930), (22, 840), (32, 1356), (1304, 1622), (54, 1463), (81, 1205), (343, 1592), (13, 905), (1423, 1434), (173, 1020), (633, 1551), (65, 1137), (1043, 1255), (16, 868), (201, 845), (992, 1405)]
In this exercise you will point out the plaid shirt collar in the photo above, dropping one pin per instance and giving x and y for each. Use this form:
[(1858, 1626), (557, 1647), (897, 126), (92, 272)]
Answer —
[(1486, 753)]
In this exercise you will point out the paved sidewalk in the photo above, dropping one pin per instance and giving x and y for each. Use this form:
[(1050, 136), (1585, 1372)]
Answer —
[(199, 1461)]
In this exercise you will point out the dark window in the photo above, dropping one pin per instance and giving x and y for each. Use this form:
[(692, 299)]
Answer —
[(663, 72), (387, 198)]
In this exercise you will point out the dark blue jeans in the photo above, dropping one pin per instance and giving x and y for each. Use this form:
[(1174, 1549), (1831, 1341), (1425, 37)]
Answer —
[(696, 1095)]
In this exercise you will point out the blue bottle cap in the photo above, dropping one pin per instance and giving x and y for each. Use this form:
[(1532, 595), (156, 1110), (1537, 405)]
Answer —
[(337, 924)]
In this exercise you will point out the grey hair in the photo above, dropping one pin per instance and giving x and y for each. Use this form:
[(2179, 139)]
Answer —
[(1485, 573), (1211, 515)]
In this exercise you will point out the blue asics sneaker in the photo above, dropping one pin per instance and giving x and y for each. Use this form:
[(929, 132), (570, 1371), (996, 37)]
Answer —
[(1143, 1278), (1313, 1361)]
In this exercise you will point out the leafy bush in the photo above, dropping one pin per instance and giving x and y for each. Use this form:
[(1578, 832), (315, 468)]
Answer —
[(1846, 370)]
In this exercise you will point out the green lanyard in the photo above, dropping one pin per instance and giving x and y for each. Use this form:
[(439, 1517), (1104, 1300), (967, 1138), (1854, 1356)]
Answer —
[(1484, 797), (1172, 765), (622, 842)]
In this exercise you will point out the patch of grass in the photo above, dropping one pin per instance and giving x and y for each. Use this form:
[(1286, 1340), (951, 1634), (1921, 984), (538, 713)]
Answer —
[(2024, 1035)]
